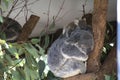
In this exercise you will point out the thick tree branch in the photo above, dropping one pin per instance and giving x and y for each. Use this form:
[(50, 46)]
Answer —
[(88, 76), (99, 27)]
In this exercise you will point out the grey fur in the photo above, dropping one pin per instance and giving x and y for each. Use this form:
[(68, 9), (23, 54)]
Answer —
[(68, 55), (10, 28)]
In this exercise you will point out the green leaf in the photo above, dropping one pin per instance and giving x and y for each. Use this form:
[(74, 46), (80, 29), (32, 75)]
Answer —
[(30, 62), (34, 75), (1, 19), (13, 51), (41, 67), (9, 59), (20, 51), (21, 72), (1, 51), (2, 67), (30, 74), (47, 38), (16, 75), (31, 50), (17, 62), (41, 50), (50, 76), (35, 41), (110, 26), (110, 77), (27, 73), (107, 77), (2, 41)]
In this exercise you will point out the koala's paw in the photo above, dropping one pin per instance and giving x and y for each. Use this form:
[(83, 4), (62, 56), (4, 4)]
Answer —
[(70, 67)]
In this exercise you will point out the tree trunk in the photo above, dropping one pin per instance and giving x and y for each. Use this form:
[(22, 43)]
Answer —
[(99, 27)]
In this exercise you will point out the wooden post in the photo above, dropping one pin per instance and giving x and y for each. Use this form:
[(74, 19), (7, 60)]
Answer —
[(28, 27)]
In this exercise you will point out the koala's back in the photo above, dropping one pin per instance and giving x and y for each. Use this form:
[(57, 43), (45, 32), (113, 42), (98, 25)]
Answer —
[(10, 28)]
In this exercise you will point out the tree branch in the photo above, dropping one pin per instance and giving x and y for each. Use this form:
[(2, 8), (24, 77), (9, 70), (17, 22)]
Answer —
[(99, 27), (28, 27)]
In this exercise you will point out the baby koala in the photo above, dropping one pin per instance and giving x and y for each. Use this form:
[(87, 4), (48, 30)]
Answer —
[(68, 55), (10, 28)]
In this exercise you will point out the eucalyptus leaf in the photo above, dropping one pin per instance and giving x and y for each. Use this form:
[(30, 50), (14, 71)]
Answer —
[(17, 62), (107, 77), (110, 26), (41, 50), (47, 40), (12, 50), (28, 61), (30, 74), (1, 19), (31, 50), (34, 74), (2, 41), (2, 67), (21, 72), (27, 73), (41, 67), (110, 77), (8, 58), (31, 62), (50, 76), (16, 75), (35, 41)]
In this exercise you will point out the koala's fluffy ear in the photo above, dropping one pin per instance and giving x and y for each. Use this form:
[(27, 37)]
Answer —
[(88, 18), (70, 27)]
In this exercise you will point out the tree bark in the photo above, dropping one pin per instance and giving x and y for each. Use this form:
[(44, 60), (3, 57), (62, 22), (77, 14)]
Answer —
[(28, 27), (88, 76), (99, 27)]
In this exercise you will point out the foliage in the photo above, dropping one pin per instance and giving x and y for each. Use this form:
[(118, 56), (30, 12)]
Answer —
[(22, 61), (112, 77), (110, 39), (109, 43)]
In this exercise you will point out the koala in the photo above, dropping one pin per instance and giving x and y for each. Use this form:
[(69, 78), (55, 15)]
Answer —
[(10, 28), (68, 55)]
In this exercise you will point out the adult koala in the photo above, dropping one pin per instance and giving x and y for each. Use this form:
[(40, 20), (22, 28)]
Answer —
[(68, 55)]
